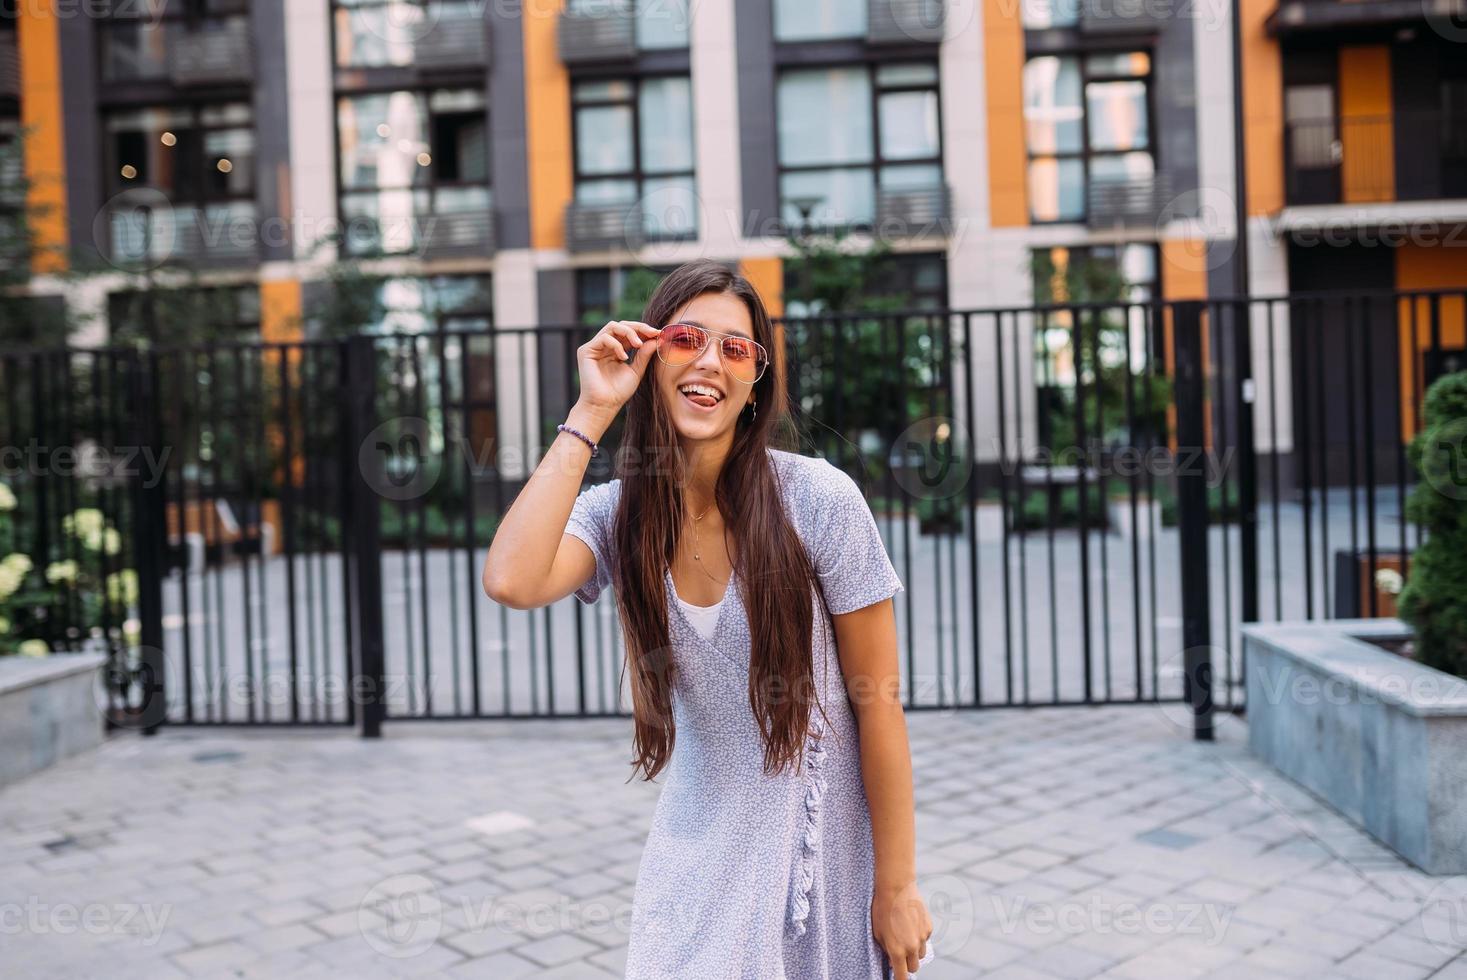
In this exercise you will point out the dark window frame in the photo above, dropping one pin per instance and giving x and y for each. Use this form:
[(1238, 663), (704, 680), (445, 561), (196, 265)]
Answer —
[(110, 176), (184, 13), (878, 162), (1085, 154), (638, 175), (433, 186)]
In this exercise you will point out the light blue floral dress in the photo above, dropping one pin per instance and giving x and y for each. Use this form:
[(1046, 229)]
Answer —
[(747, 876)]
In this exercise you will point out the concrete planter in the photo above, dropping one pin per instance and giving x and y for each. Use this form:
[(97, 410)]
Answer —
[(48, 711), (1379, 737)]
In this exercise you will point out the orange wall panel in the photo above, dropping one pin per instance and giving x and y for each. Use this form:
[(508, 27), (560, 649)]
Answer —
[(547, 124), (1003, 71), (1263, 109), (1368, 168), (1426, 267), (38, 44)]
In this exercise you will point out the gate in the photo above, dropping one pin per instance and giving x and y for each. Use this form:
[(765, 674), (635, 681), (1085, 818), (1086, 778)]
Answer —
[(1084, 501)]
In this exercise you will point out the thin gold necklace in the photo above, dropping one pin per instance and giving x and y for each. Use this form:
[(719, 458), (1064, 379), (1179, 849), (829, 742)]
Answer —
[(698, 545)]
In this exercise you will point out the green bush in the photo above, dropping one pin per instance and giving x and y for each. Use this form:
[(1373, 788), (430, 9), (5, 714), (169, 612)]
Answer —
[(1035, 514), (1434, 600)]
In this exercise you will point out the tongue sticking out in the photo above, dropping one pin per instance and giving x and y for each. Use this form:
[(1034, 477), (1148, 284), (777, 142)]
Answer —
[(707, 401)]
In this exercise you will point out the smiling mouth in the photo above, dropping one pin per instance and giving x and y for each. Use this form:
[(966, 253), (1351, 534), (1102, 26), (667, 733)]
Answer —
[(703, 396)]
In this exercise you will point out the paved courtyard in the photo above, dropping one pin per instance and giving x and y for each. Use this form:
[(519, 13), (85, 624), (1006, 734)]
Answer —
[(1053, 843)]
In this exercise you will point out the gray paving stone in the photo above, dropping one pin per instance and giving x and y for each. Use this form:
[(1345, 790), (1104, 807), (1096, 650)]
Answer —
[(1057, 808)]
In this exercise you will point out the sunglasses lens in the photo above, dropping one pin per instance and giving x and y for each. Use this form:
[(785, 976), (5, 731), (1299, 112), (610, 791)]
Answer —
[(680, 343), (743, 358)]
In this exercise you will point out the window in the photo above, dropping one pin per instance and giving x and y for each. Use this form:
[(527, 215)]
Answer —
[(188, 315), (605, 294), (634, 143), (845, 131), (1118, 274), (1087, 120), (1043, 14), (386, 33), (407, 157), (818, 20), (202, 159), (140, 40), (915, 280)]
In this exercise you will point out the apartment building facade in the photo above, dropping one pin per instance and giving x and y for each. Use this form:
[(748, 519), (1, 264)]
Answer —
[(522, 158)]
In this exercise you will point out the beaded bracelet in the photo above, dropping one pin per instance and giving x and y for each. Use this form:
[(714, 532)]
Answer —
[(579, 435)]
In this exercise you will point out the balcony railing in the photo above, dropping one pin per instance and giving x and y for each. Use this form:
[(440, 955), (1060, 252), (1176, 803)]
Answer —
[(215, 53), (1127, 201), (597, 32), (1305, 16), (603, 227), (222, 235), (904, 21), (458, 234), (914, 212), (9, 66), (1364, 159), (457, 38), (1118, 17)]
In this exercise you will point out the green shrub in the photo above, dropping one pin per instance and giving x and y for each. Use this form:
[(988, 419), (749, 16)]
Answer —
[(1434, 600)]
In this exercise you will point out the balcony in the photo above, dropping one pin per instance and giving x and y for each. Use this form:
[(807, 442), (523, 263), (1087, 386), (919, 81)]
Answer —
[(1130, 17), (457, 39), (592, 33), (464, 234), (1127, 202), (904, 21), (605, 227), (215, 236), (1370, 159), (913, 212), (1307, 16), (9, 66), (214, 53)]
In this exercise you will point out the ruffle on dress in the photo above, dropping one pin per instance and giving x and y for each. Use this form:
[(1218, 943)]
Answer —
[(810, 838)]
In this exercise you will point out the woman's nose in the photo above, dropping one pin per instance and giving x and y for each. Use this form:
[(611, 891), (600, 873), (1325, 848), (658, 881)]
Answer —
[(709, 359)]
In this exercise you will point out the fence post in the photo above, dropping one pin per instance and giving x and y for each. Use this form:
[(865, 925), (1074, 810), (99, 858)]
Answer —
[(363, 475), (148, 543), (1244, 399), (1192, 516)]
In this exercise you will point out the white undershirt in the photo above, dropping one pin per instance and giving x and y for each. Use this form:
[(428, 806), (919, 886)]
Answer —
[(703, 618)]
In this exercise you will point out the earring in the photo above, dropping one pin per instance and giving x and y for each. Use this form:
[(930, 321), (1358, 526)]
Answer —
[(755, 407)]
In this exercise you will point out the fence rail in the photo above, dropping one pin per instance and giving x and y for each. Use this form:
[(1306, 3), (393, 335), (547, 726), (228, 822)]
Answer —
[(1083, 501)]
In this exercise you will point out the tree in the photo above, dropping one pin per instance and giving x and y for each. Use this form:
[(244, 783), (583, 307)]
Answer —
[(1434, 600)]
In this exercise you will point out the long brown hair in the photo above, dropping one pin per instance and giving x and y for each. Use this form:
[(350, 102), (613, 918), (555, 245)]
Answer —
[(774, 571)]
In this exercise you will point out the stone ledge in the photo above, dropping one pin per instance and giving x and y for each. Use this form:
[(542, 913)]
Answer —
[(20, 672), (1339, 648)]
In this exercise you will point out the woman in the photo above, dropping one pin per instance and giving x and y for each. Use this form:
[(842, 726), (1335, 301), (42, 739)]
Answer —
[(783, 843)]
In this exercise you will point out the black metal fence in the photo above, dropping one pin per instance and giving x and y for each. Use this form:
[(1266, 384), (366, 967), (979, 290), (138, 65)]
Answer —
[(1083, 502)]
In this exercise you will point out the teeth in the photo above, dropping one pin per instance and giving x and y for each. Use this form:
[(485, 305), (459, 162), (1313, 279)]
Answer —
[(702, 390)]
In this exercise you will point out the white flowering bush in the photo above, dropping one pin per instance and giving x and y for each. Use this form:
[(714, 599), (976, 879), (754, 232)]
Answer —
[(75, 589)]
